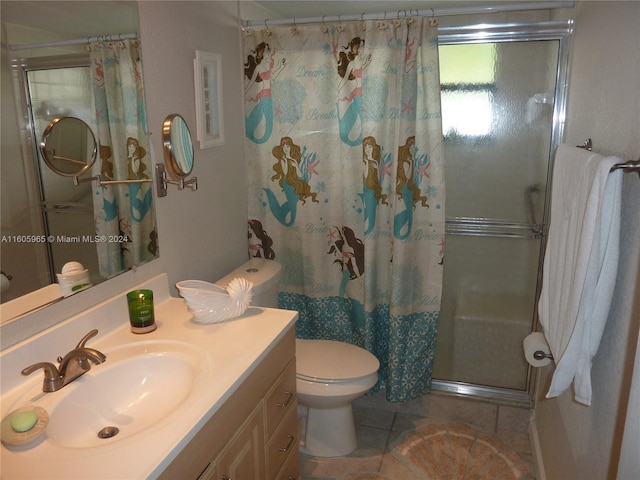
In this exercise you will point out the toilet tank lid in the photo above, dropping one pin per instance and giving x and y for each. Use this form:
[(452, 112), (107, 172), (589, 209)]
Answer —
[(263, 273)]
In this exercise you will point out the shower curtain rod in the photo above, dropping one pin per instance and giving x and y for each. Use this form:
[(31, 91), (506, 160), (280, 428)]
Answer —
[(401, 13), (76, 41)]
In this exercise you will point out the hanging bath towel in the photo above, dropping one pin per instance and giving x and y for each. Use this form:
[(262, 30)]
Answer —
[(580, 264)]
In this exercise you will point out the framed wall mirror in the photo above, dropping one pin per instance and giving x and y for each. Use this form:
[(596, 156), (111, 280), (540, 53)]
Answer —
[(50, 79)]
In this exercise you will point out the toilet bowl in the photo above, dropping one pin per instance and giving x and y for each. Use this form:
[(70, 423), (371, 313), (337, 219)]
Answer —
[(329, 374)]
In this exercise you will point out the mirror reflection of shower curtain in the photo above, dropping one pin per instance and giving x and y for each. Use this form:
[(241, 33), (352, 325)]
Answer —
[(124, 218), (346, 186)]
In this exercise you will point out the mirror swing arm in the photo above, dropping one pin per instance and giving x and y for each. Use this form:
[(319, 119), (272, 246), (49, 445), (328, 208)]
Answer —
[(163, 181), (99, 182), (178, 156)]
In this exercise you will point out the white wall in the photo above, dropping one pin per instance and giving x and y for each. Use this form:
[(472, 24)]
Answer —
[(203, 234), (578, 442)]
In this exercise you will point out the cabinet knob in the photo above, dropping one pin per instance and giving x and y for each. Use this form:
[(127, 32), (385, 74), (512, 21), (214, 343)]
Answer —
[(224, 477)]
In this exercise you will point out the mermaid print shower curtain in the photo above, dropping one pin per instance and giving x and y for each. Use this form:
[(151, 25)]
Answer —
[(123, 214), (346, 184)]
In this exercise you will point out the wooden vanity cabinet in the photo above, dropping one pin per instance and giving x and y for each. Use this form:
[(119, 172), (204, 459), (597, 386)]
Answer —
[(254, 434)]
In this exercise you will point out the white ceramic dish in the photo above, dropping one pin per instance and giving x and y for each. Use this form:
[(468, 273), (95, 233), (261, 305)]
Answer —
[(210, 303)]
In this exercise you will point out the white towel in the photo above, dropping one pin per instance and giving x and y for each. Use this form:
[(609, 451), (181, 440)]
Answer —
[(580, 264)]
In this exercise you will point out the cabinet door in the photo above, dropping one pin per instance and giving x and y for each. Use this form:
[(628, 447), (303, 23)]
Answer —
[(243, 457)]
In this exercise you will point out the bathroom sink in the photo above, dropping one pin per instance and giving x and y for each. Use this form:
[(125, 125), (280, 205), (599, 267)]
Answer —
[(158, 389), (140, 386)]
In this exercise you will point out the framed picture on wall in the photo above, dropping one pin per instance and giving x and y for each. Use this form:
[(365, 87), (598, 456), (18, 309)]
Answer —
[(208, 88)]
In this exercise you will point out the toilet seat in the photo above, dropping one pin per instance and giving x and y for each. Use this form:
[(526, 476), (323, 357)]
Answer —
[(330, 361)]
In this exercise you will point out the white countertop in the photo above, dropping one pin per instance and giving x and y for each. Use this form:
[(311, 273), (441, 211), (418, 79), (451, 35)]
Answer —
[(232, 349)]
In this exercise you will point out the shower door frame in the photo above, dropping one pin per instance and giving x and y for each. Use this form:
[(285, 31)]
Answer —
[(500, 33)]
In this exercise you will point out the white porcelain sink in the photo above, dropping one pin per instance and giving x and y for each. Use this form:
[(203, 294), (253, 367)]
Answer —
[(139, 386)]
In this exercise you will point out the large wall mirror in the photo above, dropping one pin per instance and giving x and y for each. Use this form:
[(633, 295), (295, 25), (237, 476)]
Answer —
[(48, 221)]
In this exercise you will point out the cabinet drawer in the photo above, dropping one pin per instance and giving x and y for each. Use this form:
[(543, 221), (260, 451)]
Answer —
[(283, 444), (281, 399)]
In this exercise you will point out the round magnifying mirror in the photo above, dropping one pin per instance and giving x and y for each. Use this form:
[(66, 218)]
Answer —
[(68, 146), (178, 148)]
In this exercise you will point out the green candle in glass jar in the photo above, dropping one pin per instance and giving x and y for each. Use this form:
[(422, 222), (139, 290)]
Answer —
[(141, 314)]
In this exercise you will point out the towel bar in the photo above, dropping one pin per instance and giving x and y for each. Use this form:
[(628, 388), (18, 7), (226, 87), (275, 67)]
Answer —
[(630, 166)]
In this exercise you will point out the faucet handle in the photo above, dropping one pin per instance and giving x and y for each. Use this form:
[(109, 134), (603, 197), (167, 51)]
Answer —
[(53, 381), (91, 334), (84, 363)]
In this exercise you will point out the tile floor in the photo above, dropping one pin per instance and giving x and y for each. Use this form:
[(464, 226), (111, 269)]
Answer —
[(379, 424)]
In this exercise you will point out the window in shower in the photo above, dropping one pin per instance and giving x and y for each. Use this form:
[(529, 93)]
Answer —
[(467, 83)]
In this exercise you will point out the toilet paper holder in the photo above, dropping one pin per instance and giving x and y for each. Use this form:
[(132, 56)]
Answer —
[(540, 355)]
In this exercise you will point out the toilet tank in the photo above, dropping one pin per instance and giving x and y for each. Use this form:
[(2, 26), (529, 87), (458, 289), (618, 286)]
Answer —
[(265, 276)]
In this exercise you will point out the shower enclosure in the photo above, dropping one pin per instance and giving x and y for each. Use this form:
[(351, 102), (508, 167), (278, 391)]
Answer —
[(503, 102)]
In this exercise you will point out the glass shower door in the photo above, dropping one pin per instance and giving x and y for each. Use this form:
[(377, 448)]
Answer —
[(56, 87), (498, 119)]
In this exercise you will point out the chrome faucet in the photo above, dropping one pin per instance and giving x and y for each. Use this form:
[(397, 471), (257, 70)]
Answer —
[(71, 366)]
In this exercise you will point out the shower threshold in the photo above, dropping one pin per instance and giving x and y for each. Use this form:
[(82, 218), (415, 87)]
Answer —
[(502, 396)]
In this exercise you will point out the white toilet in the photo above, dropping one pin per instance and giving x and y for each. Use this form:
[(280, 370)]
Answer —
[(329, 374)]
